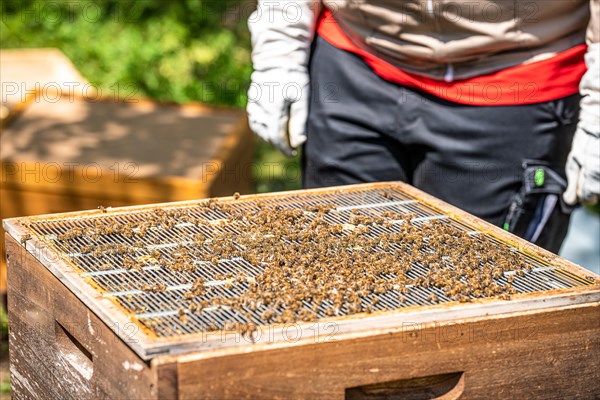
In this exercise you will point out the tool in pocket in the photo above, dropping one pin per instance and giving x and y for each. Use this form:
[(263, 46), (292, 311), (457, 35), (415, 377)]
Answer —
[(540, 198)]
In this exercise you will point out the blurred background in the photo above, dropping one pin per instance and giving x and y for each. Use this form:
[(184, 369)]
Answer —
[(161, 86), (170, 51)]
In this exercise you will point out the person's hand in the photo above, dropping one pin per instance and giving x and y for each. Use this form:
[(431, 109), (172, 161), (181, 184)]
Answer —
[(583, 168), (282, 32), (278, 107), (583, 162)]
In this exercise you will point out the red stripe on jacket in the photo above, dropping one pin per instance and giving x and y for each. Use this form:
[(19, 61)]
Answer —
[(535, 82)]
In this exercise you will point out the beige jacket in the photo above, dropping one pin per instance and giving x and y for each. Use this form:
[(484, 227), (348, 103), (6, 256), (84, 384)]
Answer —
[(453, 40)]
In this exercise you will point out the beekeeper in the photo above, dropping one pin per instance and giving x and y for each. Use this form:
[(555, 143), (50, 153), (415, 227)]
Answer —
[(481, 104)]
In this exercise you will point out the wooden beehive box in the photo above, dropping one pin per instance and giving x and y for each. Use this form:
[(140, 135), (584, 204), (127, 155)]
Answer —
[(79, 330), (67, 152), (27, 71)]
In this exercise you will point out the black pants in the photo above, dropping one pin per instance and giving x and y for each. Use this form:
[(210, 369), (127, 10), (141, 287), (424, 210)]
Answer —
[(362, 128)]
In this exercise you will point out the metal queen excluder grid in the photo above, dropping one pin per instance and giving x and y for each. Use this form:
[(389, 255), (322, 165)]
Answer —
[(159, 312)]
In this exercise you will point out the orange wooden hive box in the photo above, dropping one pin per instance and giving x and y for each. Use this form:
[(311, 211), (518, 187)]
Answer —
[(80, 330)]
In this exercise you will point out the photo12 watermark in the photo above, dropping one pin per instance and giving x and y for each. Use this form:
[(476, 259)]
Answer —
[(68, 172), (69, 11), (55, 91)]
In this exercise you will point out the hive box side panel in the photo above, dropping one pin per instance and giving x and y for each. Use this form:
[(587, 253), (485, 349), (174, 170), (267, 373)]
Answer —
[(551, 354), (108, 187), (59, 348)]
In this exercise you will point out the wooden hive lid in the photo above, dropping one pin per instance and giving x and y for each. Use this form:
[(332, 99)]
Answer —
[(27, 70), (111, 143), (163, 140)]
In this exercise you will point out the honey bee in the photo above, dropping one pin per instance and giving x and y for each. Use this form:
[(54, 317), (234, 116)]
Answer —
[(24, 239), (386, 195), (198, 288), (463, 298), (71, 234), (157, 288), (129, 263)]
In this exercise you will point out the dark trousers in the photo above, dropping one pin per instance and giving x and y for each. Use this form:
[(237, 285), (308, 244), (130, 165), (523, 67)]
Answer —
[(362, 128)]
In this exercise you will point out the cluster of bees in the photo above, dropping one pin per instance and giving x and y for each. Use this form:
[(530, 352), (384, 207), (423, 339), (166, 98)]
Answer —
[(311, 267)]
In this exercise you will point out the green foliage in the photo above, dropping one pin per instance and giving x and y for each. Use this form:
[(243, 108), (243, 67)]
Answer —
[(5, 385), (3, 325), (275, 172), (175, 50), (595, 208)]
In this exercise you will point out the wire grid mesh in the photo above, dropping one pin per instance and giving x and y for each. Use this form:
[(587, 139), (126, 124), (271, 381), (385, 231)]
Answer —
[(160, 312)]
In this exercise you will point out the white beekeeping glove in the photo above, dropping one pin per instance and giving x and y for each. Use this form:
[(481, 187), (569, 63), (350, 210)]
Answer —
[(282, 32), (583, 163)]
